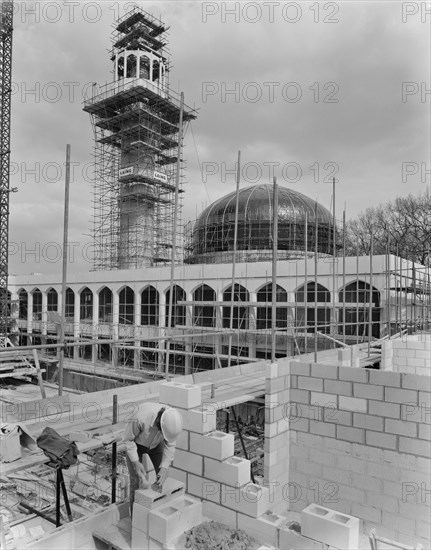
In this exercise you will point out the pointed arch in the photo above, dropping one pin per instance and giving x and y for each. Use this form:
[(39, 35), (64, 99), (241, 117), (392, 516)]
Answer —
[(240, 315), (204, 315), (150, 301), (126, 306), (264, 314), (357, 320), (178, 311), (306, 314), (37, 305), (52, 300), (23, 304), (86, 305), (105, 305)]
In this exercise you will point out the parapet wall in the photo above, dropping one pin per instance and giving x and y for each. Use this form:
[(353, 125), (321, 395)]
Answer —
[(410, 354)]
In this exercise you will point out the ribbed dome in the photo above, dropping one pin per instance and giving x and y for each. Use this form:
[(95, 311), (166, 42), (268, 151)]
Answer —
[(213, 233)]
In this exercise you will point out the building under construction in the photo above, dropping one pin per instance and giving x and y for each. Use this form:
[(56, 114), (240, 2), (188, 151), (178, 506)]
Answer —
[(294, 367)]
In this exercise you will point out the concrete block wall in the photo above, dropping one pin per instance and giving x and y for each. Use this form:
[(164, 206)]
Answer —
[(359, 444), (410, 355)]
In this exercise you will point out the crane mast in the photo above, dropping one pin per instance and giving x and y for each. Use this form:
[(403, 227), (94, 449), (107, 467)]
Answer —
[(6, 28)]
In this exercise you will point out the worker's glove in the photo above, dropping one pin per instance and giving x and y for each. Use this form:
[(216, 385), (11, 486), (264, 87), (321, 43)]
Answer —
[(161, 478)]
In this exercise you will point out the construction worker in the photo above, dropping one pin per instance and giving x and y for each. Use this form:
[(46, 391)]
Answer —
[(154, 431)]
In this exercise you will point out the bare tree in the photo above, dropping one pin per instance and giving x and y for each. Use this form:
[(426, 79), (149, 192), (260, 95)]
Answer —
[(403, 225)]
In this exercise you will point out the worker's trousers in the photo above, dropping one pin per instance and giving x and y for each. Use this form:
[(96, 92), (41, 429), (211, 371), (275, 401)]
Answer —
[(155, 456)]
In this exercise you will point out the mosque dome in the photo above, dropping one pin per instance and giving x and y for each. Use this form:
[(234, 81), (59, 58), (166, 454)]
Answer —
[(212, 235)]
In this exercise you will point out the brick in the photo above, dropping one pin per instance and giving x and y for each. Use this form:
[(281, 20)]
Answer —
[(234, 471), (219, 513), (217, 445), (350, 464), (382, 440), (308, 383), (352, 404), (324, 371), (169, 522), (347, 492), (394, 395), (380, 408), (299, 368), (330, 527), (183, 396), (401, 427), (324, 399), (300, 396), (264, 529), (384, 502), (367, 421), (383, 471), (152, 499), (322, 428), (368, 391), (384, 378), (188, 462), (339, 476), (252, 499), (403, 525), (367, 513), (425, 431), (203, 488), (338, 388), (291, 539), (200, 421), (355, 435), (353, 374), (415, 446)]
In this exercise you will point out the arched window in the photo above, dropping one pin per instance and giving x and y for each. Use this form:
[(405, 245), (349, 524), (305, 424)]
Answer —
[(120, 67), (70, 303), (23, 304), (105, 305), (240, 314), (357, 316), (86, 305), (144, 67), (156, 70), (305, 316), (150, 307), (264, 314), (178, 311), (131, 66), (52, 300), (204, 315), (37, 305), (127, 306)]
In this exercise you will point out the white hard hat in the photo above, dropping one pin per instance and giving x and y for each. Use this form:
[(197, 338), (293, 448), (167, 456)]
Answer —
[(171, 424)]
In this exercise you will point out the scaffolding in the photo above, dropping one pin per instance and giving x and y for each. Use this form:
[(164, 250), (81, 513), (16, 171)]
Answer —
[(136, 122)]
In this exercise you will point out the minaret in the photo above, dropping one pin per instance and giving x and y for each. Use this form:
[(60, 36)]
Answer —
[(136, 124)]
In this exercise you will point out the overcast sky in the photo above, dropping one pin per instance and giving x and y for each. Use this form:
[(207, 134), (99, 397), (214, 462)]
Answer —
[(340, 87)]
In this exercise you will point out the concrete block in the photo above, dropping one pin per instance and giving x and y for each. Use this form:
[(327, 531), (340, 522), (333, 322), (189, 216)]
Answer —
[(385, 378), (201, 421), (166, 523), (263, 529), (354, 374), (352, 403), (322, 428), (139, 539), (368, 391), (216, 445), (140, 517), (203, 488), (394, 395), (252, 500), (215, 512), (368, 421), (415, 446), (400, 427), (271, 370), (234, 471), (356, 435), (297, 367), (183, 441), (324, 371), (338, 387), (324, 399), (308, 383), (380, 408), (182, 396), (288, 538), (179, 475), (152, 499), (382, 440), (189, 462), (330, 527)]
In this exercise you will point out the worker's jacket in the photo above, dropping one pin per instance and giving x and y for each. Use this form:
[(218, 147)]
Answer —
[(142, 430)]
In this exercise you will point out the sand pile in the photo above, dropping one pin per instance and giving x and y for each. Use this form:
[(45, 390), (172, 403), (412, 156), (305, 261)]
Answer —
[(212, 535)]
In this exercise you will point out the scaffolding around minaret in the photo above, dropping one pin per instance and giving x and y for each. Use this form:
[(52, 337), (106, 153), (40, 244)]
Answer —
[(136, 122)]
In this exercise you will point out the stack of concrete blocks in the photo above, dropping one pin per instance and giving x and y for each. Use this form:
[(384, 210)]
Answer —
[(359, 444), (205, 462), (348, 357), (410, 355), (160, 518)]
